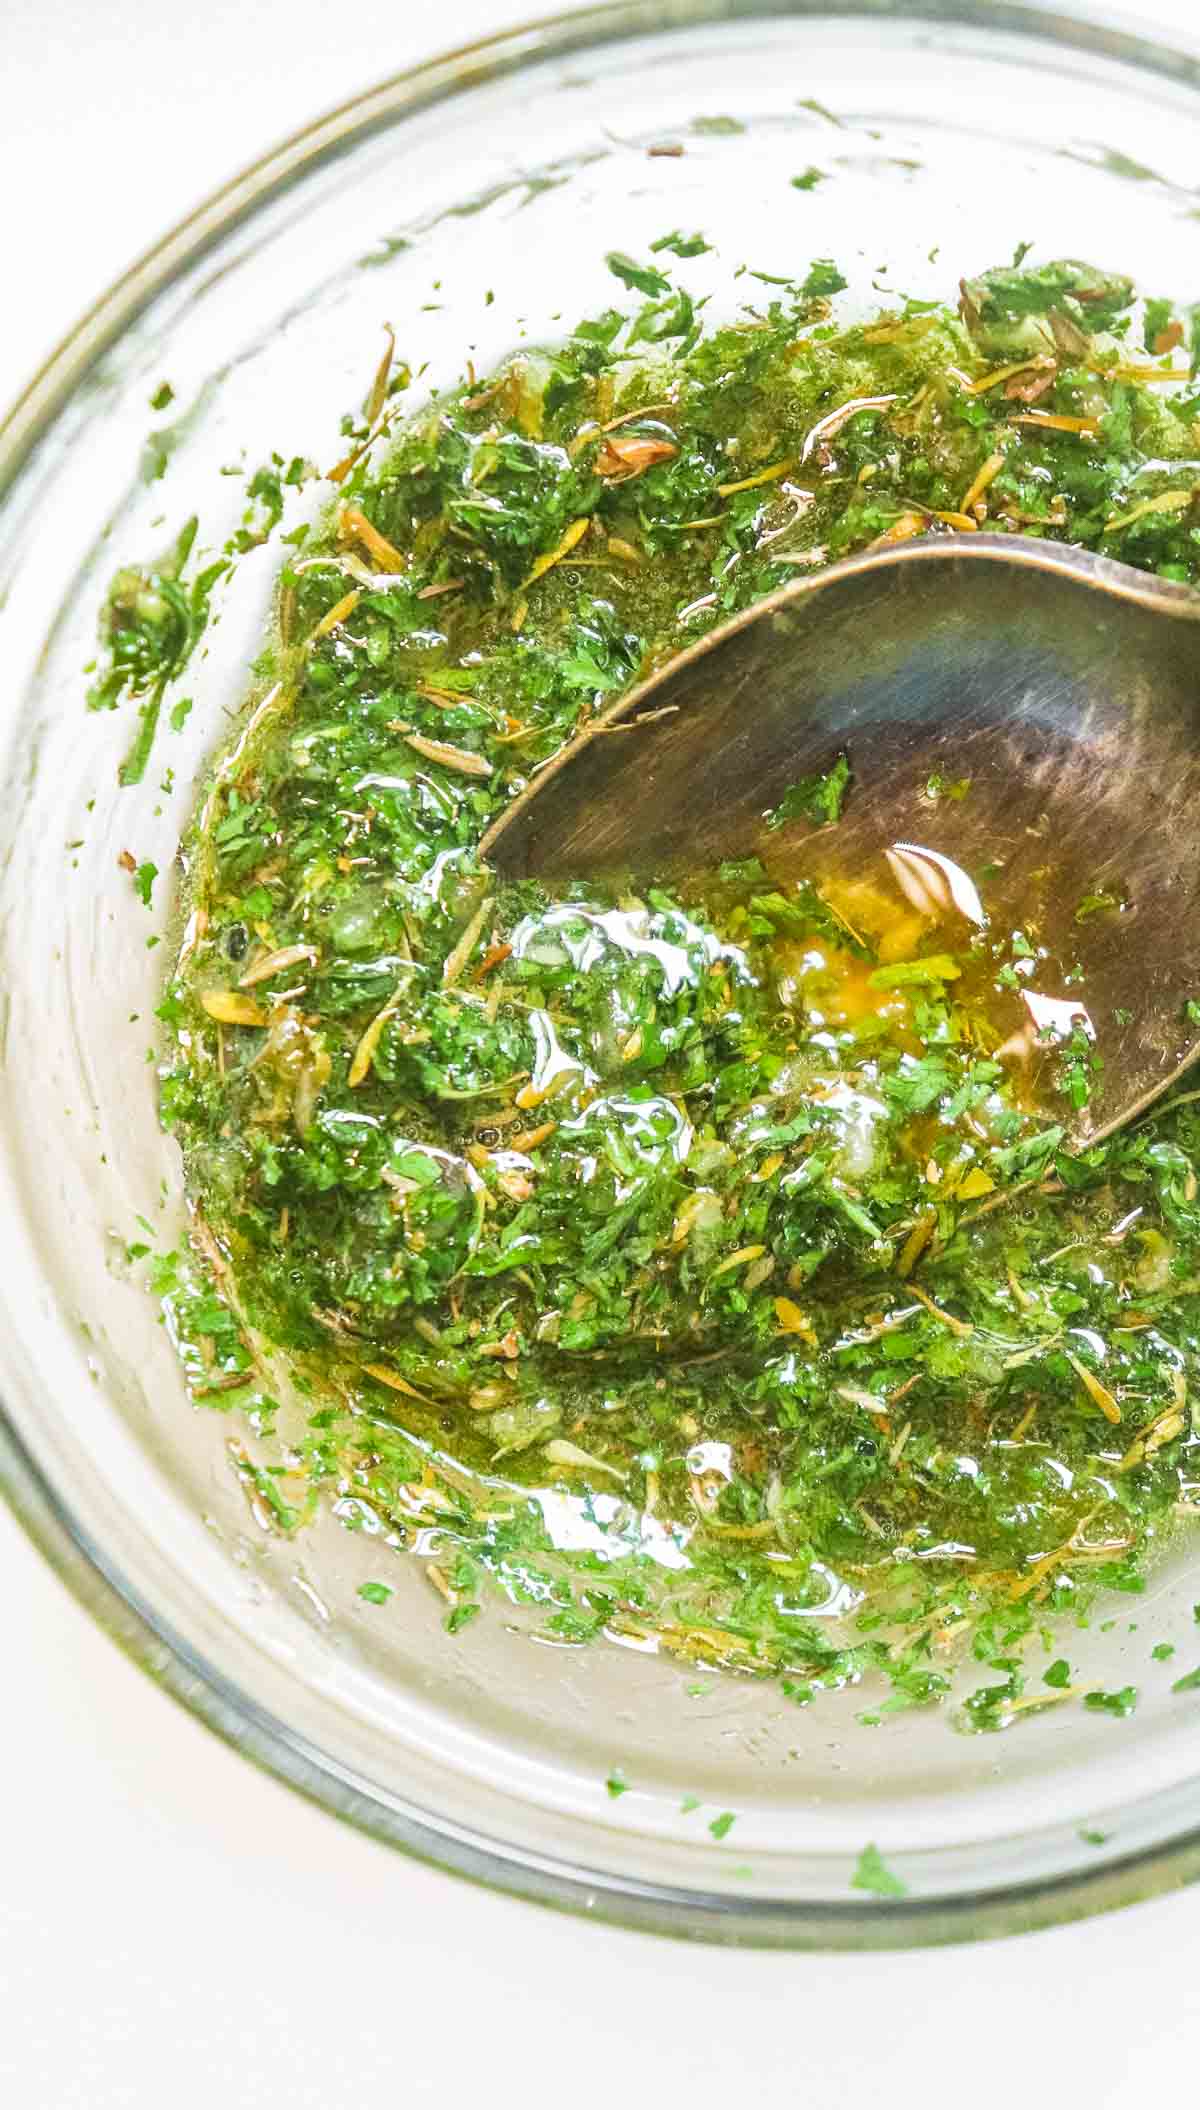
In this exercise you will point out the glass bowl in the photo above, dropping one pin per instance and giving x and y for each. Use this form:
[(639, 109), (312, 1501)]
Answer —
[(469, 203)]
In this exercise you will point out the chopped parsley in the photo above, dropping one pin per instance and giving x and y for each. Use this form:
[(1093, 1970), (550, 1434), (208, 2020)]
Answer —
[(1120, 1703), (643, 278), (873, 1874), (144, 877), (818, 800)]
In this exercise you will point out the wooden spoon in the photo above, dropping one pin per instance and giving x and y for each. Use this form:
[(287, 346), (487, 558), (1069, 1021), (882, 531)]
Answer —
[(1062, 689)]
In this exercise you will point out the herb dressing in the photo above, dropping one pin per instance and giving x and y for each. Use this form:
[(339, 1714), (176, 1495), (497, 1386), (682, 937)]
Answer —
[(654, 1241)]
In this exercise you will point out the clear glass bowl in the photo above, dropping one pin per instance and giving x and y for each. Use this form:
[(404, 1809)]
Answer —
[(510, 168)]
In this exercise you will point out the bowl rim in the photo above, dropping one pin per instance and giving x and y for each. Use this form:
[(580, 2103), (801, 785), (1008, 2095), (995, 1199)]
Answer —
[(142, 1630)]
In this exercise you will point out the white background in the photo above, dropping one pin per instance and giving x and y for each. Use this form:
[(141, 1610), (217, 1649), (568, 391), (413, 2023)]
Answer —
[(177, 1930)]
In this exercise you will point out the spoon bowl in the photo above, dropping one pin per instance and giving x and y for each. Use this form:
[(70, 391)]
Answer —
[(1021, 723)]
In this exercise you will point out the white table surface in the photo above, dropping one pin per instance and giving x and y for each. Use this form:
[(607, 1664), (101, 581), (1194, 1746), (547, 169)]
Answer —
[(176, 1929)]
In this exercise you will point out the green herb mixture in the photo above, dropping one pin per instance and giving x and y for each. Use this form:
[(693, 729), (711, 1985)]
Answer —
[(676, 1199)]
